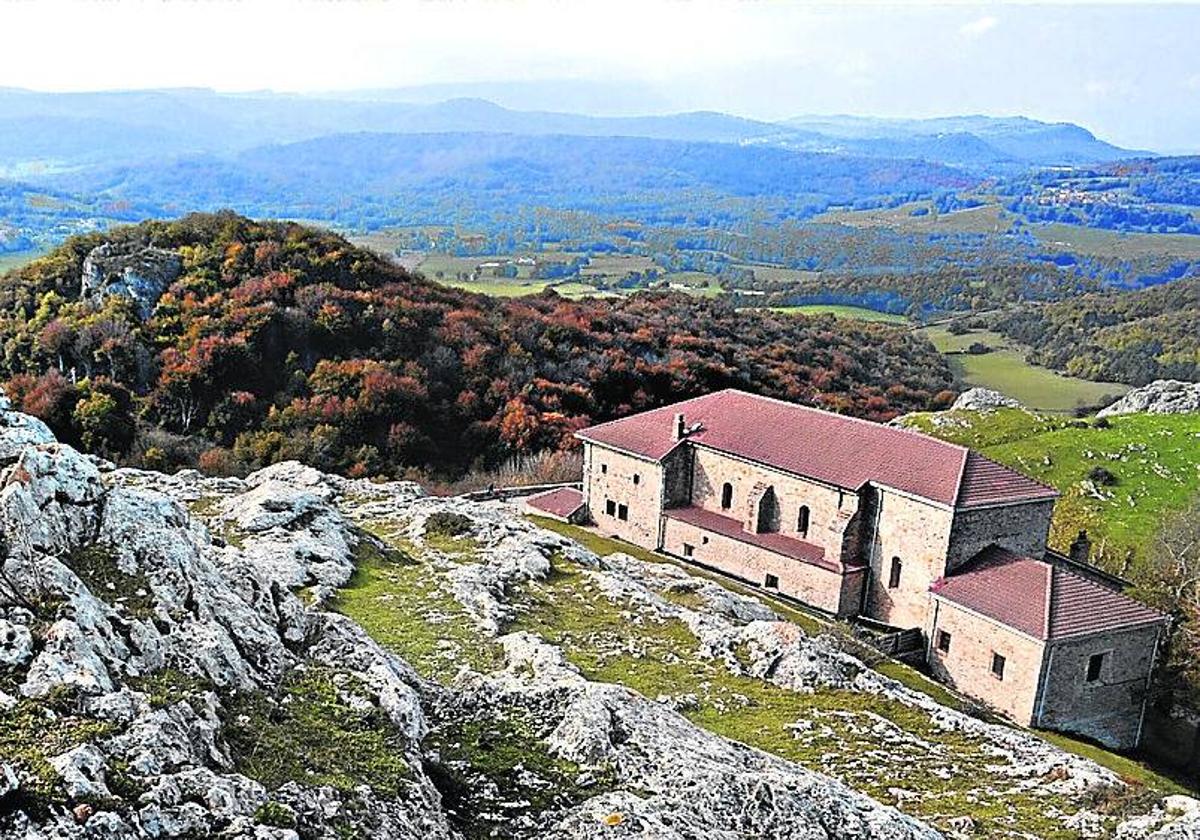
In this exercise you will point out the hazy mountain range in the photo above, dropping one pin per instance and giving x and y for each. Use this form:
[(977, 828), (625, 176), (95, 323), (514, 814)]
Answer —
[(42, 130)]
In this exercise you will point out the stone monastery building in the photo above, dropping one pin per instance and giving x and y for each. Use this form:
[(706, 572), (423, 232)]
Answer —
[(860, 519)]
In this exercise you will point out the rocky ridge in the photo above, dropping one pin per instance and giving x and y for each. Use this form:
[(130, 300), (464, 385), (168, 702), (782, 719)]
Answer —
[(172, 665), (1163, 396)]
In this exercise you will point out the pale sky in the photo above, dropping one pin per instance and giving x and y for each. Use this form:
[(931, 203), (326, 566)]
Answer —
[(1129, 72)]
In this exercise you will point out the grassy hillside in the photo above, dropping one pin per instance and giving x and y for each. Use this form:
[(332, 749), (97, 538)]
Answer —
[(1154, 461), (1006, 370)]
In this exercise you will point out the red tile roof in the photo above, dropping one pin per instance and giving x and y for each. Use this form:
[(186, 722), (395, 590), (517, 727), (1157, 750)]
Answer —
[(563, 503), (838, 450), (727, 526), (1043, 600)]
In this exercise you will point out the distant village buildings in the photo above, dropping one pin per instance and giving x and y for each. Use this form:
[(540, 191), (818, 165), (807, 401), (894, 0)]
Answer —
[(858, 519)]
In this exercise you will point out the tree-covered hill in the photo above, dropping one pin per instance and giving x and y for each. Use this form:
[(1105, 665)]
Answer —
[(1133, 337), (272, 340)]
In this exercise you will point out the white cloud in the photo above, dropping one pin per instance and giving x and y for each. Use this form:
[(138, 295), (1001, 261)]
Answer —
[(979, 27)]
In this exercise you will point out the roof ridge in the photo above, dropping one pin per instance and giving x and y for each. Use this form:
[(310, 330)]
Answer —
[(648, 410)]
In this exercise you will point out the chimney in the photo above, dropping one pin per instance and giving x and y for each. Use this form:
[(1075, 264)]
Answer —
[(679, 431), (1081, 548)]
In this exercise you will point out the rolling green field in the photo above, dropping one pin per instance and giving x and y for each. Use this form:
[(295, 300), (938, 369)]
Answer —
[(776, 274), (1112, 243), (1004, 369), (857, 313), (1154, 457), (987, 218)]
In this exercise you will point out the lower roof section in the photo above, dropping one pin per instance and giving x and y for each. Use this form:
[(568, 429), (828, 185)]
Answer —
[(782, 544)]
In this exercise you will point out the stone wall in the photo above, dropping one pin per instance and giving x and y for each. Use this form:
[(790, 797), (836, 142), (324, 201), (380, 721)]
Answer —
[(1109, 709), (967, 665), (611, 476), (918, 533), (826, 590), (1021, 528), (829, 508)]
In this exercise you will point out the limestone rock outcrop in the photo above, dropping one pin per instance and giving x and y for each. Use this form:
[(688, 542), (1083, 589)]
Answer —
[(983, 399), (139, 272), (1163, 396)]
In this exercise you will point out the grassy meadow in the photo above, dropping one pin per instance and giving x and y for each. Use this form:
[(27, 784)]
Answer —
[(1004, 369), (1152, 458), (856, 313)]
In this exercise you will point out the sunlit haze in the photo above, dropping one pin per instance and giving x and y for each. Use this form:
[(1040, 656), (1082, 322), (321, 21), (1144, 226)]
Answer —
[(1129, 73)]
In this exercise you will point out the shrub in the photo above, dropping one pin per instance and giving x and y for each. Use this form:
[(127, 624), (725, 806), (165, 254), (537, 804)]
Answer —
[(447, 524), (1102, 476)]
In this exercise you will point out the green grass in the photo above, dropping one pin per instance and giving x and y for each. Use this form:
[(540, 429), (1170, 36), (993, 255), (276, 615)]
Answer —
[(29, 738), (310, 733), (1153, 456), (856, 313), (402, 603), (1112, 243), (1004, 369)]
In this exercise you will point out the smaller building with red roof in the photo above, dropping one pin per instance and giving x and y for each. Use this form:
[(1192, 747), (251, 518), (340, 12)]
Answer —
[(860, 519)]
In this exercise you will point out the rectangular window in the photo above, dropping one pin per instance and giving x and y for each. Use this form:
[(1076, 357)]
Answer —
[(997, 666), (637, 479), (610, 507), (772, 582), (1095, 667), (688, 550), (894, 573), (943, 641), (623, 512), (604, 469)]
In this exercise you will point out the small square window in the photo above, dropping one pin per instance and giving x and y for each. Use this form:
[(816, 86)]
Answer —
[(610, 507), (943, 641), (997, 666), (772, 582), (1095, 667), (623, 512), (688, 550), (637, 479), (703, 540)]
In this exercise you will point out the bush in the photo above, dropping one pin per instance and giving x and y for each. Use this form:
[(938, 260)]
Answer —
[(447, 524), (1102, 476)]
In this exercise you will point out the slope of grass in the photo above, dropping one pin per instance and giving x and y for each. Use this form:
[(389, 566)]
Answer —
[(1004, 369), (858, 313), (1154, 458)]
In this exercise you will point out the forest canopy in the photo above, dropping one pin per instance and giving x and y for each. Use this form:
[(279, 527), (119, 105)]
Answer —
[(279, 341)]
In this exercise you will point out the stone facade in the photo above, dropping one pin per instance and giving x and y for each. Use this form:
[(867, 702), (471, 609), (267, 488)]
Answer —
[(834, 592), (913, 534), (624, 495), (968, 664), (1021, 528), (1109, 707), (826, 523)]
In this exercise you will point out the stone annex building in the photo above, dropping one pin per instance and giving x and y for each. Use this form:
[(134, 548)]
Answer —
[(860, 519)]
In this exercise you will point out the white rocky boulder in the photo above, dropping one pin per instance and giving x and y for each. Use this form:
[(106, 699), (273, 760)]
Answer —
[(1164, 396), (983, 399)]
